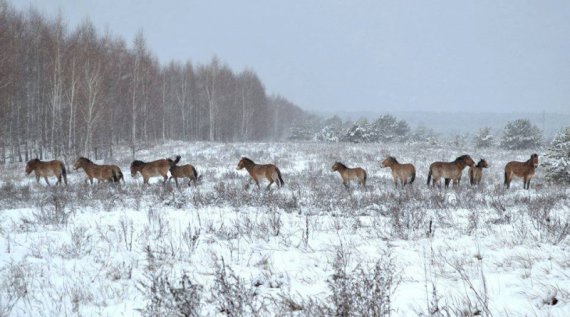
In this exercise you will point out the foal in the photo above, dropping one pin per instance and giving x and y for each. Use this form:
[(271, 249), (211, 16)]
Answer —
[(257, 171), (521, 169), (400, 172), (47, 168), (449, 170), (184, 171), (476, 172), (349, 174)]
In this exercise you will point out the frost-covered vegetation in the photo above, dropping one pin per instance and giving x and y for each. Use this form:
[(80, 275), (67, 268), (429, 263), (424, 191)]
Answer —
[(312, 248)]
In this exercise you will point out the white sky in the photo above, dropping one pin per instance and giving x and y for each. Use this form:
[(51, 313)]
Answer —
[(478, 55)]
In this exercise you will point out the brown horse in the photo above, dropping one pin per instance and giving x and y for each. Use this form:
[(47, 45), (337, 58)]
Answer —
[(349, 174), (449, 170), (49, 168), (400, 172), (99, 172), (184, 171), (476, 172), (521, 169), (153, 169), (257, 171)]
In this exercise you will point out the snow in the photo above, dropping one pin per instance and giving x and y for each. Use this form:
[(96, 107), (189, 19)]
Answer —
[(483, 241)]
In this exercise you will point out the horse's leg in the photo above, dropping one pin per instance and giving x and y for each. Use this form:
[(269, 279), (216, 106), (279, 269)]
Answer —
[(447, 180), (47, 182), (165, 177), (270, 182), (395, 182), (175, 180), (526, 182)]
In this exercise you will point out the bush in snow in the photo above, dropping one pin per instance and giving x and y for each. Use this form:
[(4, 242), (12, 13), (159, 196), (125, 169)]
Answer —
[(521, 134), (362, 292), (557, 162), (329, 134), (359, 132), (424, 135), (484, 138), (168, 299)]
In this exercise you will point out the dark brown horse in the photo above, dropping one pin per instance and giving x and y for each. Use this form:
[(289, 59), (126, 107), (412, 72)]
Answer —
[(153, 169), (476, 172), (400, 172), (184, 171), (521, 169), (349, 174), (99, 172), (259, 171), (449, 170), (48, 168)]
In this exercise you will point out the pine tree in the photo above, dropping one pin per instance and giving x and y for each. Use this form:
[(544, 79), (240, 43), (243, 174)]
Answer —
[(557, 158), (521, 134)]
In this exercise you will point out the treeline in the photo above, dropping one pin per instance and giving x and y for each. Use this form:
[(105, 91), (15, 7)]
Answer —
[(80, 92), (516, 135)]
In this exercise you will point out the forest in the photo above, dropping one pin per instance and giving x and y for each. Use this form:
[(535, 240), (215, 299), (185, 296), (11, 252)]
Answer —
[(81, 92)]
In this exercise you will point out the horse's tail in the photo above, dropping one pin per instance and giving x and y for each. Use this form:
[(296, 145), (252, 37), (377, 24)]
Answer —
[(64, 173), (195, 172), (364, 178), (413, 176), (120, 176), (114, 176), (279, 175), (506, 178), (429, 176)]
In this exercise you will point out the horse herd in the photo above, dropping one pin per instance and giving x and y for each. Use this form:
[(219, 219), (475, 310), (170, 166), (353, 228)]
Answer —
[(402, 174)]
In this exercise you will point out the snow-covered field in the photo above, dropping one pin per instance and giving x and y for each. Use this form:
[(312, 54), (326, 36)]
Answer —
[(310, 248)]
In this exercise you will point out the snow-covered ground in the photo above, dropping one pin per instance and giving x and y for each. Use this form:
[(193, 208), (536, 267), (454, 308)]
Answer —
[(310, 248)]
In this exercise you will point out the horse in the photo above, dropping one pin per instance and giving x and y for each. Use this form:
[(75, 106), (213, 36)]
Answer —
[(476, 172), (449, 170), (349, 174), (184, 171), (47, 168), (153, 169), (400, 172), (521, 169), (99, 172), (257, 171)]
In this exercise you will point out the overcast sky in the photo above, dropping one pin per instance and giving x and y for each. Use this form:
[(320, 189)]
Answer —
[(480, 56)]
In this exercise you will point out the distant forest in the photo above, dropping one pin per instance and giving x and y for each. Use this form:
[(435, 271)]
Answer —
[(78, 92)]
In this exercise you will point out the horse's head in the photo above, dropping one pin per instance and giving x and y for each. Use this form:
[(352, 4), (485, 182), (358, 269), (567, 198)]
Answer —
[(243, 162), (337, 166), (79, 163), (31, 165), (135, 167), (389, 161), (534, 160), (482, 163), (467, 160)]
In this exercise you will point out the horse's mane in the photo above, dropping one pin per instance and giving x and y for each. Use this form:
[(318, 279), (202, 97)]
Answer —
[(393, 159), (136, 163), (341, 165), (247, 161), (461, 158), (85, 159)]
